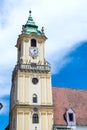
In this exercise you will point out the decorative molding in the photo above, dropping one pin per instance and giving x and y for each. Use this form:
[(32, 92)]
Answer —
[(26, 40)]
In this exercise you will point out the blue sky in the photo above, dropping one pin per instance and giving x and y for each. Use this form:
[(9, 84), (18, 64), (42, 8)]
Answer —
[(65, 23), (74, 74)]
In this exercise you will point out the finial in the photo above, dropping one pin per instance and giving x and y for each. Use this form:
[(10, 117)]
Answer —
[(22, 28), (30, 12), (42, 30)]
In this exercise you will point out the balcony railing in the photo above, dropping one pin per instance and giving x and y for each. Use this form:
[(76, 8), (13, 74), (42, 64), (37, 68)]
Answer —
[(32, 67)]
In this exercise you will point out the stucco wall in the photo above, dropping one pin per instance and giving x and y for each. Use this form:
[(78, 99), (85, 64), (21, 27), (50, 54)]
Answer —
[(81, 128)]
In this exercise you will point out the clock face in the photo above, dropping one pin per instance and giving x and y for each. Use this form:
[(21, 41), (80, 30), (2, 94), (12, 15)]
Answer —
[(33, 51)]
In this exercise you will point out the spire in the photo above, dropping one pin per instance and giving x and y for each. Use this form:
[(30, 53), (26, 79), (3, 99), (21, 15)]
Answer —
[(30, 26), (30, 20)]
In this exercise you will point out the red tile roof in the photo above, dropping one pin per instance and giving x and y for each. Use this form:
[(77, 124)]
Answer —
[(65, 98)]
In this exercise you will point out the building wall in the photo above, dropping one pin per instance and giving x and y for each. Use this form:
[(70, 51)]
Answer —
[(24, 89), (24, 121), (81, 128), (70, 127)]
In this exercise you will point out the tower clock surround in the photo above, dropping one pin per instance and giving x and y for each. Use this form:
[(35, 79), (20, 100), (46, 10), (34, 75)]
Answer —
[(31, 92), (33, 52)]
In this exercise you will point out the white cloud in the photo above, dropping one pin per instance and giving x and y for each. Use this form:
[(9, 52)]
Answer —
[(4, 91), (5, 85), (65, 23)]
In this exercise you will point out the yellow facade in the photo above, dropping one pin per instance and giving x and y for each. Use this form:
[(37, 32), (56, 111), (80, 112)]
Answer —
[(31, 92)]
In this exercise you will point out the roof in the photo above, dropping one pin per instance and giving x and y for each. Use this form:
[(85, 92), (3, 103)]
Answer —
[(31, 27), (65, 98)]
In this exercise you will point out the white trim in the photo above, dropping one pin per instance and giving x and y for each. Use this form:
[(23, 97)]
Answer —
[(23, 43), (40, 120), (23, 88), (45, 90), (73, 122), (18, 87), (47, 122), (29, 120), (23, 120), (17, 122)]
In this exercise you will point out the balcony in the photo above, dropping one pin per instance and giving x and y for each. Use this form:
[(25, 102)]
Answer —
[(33, 67)]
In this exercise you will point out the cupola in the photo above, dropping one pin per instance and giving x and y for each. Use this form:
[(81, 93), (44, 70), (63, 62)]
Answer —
[(31, 27)]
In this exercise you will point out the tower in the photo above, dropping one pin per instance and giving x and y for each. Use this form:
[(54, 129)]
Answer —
[(31, 106)]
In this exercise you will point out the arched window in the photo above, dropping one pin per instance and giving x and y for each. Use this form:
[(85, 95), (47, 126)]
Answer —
[(33, 43), (35, 118), (34, 98)]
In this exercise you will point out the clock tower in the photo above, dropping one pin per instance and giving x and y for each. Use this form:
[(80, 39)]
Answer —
[(31, 106)]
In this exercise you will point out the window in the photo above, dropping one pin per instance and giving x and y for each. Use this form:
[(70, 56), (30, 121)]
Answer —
[(33, 43), (35, 118), (34, 80), (71, 117), (34, 98)]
